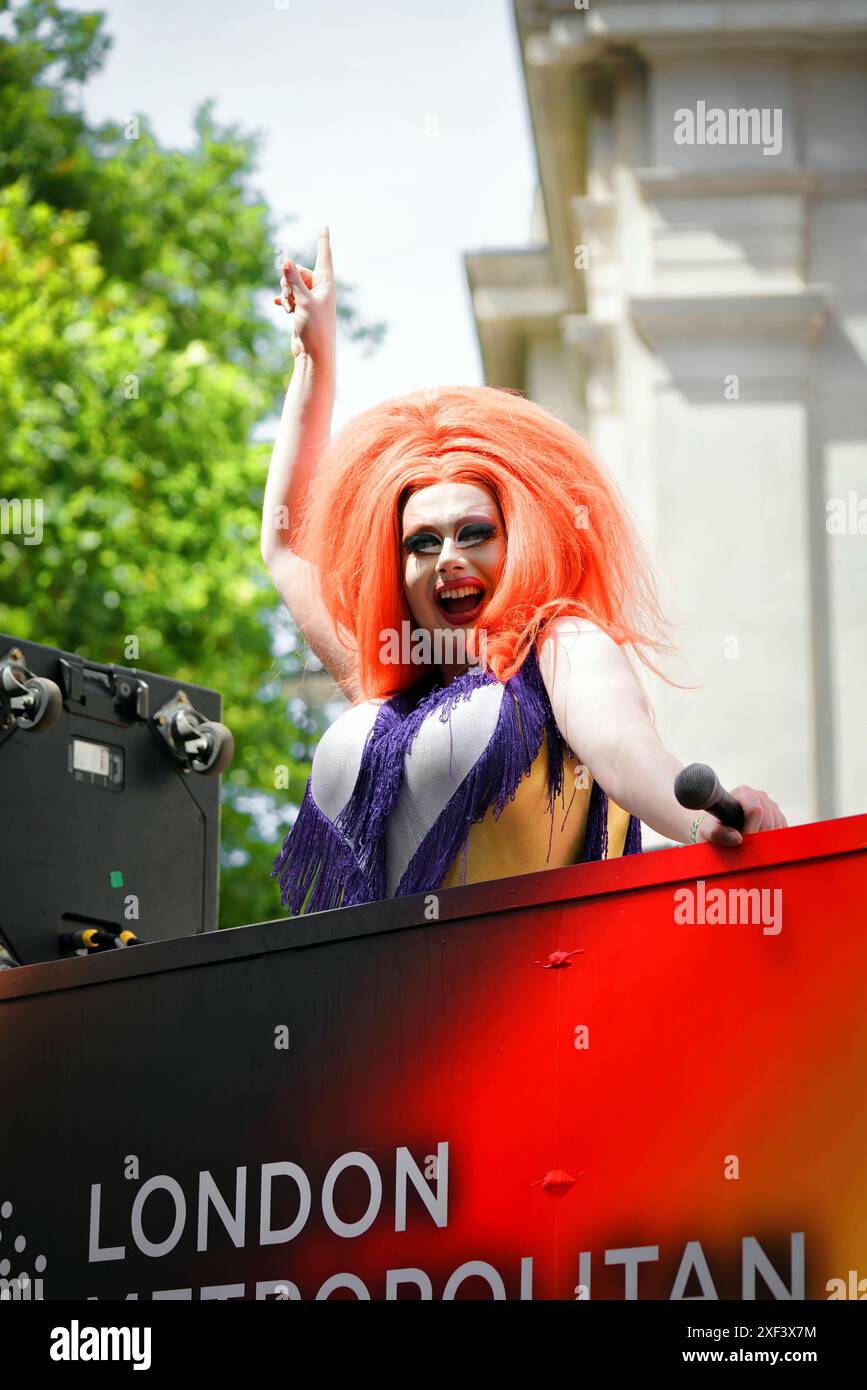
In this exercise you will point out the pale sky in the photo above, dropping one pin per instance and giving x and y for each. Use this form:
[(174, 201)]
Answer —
[(402, 124)]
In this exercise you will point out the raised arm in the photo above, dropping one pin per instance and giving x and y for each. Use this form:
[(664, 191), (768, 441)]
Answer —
[(304, 431), (603, 715)]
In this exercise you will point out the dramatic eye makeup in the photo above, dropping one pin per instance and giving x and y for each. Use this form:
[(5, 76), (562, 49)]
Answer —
[(471, 533)]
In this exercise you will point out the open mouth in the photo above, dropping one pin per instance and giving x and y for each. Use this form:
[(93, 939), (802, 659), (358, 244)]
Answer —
[(461, 603)]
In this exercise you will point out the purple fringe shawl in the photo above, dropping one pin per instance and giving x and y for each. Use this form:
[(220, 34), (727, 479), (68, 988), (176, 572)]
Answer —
[(325, 864)]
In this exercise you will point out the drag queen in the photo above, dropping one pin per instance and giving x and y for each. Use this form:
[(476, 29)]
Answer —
[(469, 576)]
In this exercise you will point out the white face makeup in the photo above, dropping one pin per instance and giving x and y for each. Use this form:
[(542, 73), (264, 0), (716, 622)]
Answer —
[(454, 545)]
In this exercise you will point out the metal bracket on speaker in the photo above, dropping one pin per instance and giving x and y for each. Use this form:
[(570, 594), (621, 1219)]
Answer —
[(131, 696), (198, 744), (113, 688), (27, 701)]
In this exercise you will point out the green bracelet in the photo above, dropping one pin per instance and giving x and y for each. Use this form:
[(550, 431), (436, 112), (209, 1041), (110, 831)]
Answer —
[(694, 827)]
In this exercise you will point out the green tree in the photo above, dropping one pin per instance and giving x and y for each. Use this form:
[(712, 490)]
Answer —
[(137, 356)]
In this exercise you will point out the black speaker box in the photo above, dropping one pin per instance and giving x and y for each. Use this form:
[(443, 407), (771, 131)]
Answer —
[(100, 824)]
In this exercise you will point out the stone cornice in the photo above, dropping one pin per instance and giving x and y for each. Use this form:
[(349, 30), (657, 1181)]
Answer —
[(518, 303), (555, 33), (671, 183), (512, 286), (800, 315), (509, 265)]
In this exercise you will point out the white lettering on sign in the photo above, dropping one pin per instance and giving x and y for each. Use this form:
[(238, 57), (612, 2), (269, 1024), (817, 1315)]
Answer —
[(90, 757)]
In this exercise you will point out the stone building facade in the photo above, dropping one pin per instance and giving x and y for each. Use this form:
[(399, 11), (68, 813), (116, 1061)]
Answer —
[(694, 302)]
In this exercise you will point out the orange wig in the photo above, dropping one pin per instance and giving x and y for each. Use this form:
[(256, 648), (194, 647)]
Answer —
[(571, 547)]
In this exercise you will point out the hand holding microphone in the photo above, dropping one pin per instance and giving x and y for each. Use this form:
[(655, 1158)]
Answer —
[(725, 816)]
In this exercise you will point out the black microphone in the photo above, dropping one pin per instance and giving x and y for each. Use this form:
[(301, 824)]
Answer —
[(698, 788)]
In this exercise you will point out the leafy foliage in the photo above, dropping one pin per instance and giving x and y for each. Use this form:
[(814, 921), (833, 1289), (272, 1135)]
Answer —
[(136, 358)]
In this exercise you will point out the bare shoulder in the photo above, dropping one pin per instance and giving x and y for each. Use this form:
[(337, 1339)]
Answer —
[(577, 638), (592, 688), (571, 622)]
